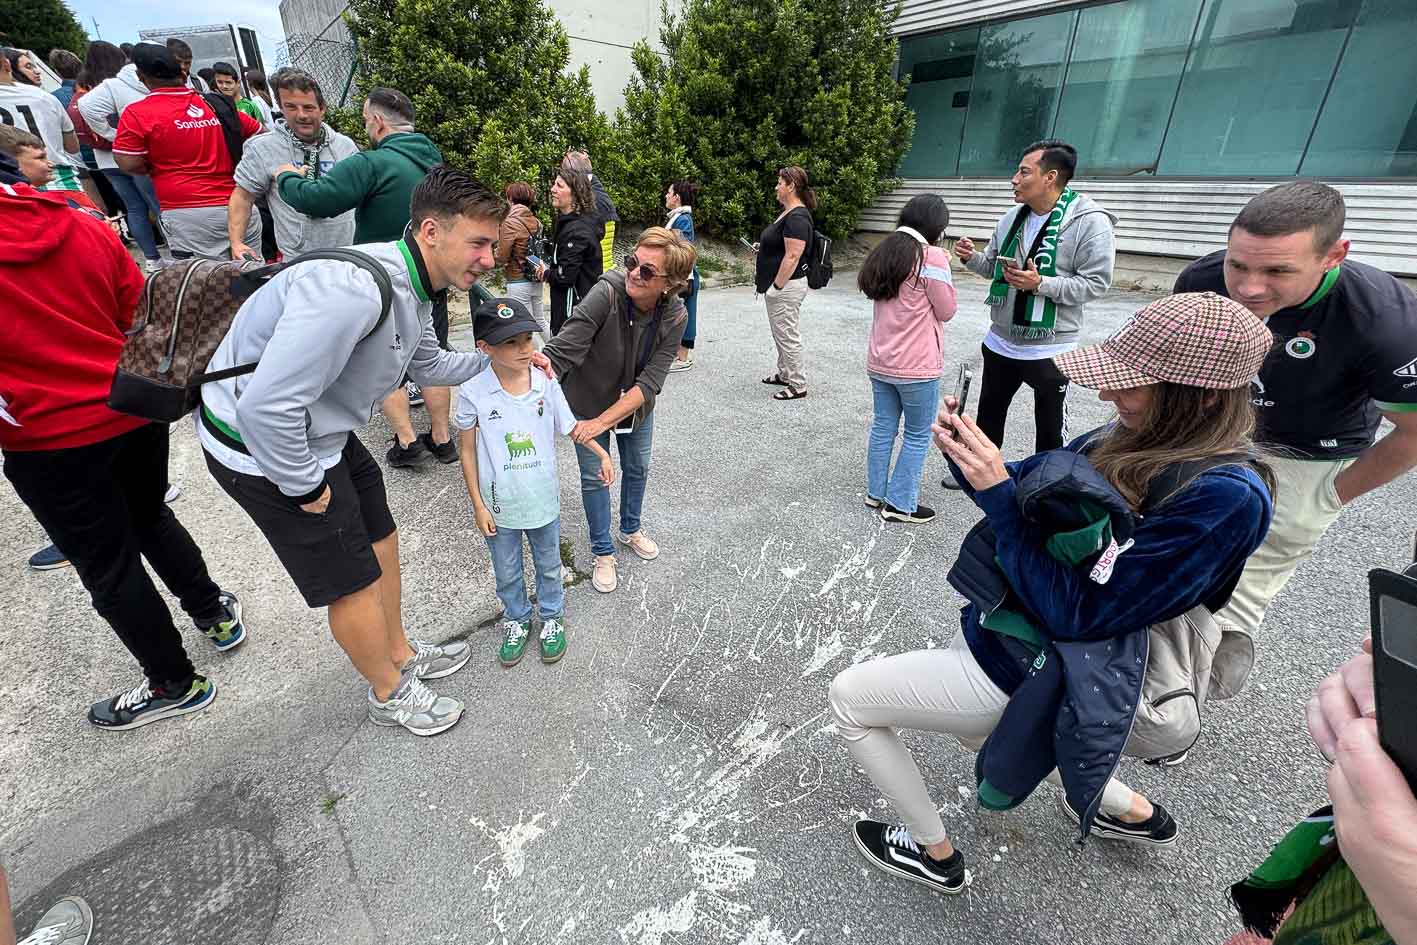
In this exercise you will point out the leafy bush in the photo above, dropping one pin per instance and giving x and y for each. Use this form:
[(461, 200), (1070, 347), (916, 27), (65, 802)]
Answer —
[(488, 82), (42, 25), (749, 86)]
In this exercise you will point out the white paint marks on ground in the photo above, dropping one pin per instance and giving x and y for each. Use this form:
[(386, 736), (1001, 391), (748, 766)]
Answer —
[(722, 869), (511, 842), (763, 932), (658, 926)]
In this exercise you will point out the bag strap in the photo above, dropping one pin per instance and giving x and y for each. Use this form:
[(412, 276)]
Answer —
[(230, 123), (353, 257)]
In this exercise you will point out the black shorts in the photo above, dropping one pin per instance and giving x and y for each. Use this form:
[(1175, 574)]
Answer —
[(328, 555)]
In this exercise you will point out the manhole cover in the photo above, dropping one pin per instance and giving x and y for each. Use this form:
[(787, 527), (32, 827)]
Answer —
[(185, 881)]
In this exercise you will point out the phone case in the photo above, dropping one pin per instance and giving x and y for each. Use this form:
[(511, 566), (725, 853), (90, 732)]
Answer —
[(1394, 681)]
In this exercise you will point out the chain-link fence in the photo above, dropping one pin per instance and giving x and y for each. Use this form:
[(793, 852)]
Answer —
[(331, 56)]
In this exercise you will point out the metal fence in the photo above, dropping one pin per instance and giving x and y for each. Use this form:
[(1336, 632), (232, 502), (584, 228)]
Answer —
[(331, 56)]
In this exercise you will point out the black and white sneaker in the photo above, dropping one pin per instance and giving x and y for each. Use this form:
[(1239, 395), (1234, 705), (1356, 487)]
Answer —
[(143, 705), (1170, 761), (1159, 830), (890, 848), (923, 514), (872, 502), (415, 394)]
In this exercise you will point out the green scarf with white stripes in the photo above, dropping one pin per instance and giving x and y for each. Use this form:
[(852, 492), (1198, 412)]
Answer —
[(1034, 315)]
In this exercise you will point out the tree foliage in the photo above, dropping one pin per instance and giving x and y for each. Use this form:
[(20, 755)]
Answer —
[(749, 86), (488, 81), (42, 25)]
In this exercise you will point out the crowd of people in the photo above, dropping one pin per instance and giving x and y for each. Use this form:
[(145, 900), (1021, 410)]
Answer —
[(1236, 443)]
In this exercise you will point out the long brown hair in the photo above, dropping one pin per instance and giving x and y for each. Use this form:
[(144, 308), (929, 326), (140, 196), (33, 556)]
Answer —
[(1182, 423), (796, 177), (578, 182)]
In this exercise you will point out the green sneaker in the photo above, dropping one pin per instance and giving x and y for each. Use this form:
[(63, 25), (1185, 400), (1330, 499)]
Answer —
[(514, 637), (231, 632), (553, 639)]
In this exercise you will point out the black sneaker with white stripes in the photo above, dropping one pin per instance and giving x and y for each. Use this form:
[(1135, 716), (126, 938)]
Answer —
[(890, 848), (1170, 761), (1159, 829)]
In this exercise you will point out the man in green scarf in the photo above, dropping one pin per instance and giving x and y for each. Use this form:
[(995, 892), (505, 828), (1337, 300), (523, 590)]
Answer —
[(1048, 257)]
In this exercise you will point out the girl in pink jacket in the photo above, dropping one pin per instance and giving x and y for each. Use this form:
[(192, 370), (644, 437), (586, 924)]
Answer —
[(908, 278)]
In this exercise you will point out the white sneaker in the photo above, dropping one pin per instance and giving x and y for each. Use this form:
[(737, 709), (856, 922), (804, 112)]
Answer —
[(68, 922), (151, 266), (603, 576), (678, 365), (641, 545), (174, 492)]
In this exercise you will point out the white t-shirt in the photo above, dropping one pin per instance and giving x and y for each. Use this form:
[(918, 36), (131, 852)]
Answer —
[(996, 342), (516, 446), (36, 111)]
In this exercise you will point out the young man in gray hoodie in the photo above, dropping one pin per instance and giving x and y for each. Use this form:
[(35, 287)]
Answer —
[(1047, 259), (280, 440)]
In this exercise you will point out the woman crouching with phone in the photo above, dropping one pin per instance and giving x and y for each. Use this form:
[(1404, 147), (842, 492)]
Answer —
[(1179, 376)]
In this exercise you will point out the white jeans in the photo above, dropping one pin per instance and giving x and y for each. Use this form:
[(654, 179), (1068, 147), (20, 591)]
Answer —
[(936, 691), (530, 294), (1305, 505)]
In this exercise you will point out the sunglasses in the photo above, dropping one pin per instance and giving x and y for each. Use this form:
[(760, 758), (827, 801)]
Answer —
[(647, 272)]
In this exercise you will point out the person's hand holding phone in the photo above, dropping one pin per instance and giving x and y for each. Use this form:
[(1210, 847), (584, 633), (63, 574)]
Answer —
[(1025, 279), (1374, 810), (973, 452)]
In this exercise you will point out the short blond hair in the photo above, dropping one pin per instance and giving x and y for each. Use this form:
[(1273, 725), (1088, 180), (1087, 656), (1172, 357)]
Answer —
[(679, 254)]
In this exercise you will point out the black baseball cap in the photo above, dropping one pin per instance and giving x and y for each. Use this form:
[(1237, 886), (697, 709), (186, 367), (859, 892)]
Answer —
[(496, 320), (156, 61)]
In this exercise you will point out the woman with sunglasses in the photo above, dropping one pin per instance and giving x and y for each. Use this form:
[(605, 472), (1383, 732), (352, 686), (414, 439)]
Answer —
[(576, 260), (613, 355)]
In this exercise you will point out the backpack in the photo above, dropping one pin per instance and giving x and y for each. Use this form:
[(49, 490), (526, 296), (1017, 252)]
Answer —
[(1192, 658), (819, 261), (230, 123), (182, 318)]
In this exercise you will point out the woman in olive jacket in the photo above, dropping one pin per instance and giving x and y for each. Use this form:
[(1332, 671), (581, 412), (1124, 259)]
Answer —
[(613, 356), (576, 261)]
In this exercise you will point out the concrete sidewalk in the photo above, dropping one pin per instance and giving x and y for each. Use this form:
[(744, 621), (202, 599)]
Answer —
[(675, 779)]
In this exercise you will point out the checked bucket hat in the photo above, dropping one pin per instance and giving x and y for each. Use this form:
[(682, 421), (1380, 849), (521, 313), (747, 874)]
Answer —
[(1198, 339)]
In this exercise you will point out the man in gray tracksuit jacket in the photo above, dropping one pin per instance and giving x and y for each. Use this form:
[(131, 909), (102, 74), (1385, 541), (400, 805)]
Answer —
[(280, 440), (1036, 310)]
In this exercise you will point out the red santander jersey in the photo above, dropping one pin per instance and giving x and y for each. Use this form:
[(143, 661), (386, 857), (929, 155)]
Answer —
[(181, 137)]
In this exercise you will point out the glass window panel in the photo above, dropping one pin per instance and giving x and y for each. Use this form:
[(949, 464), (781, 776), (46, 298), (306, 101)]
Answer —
[(1251, 92), (1016, 77), (941, 68), (1369, 123), (1125, 66)]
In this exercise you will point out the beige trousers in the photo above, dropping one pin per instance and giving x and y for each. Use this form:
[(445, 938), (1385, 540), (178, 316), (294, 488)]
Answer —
[(942, 690), (784, 307), (1305, 505)]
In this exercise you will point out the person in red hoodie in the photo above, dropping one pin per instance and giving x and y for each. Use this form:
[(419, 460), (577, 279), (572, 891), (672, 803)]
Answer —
[(95, 479)]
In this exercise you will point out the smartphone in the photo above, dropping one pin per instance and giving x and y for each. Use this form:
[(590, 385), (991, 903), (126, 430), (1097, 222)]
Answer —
[(1393, 600), (746, 244), (966, 378), (1020, 259), (625, 424), (533, 260)]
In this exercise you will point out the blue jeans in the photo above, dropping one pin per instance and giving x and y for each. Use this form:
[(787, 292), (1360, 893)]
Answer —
[(691, 305), (634, 473), (138, 199), (506, 548), (917, 400)]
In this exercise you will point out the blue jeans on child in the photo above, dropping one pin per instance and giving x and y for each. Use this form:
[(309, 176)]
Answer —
[(918, 401), (506, 548), (634, 451)]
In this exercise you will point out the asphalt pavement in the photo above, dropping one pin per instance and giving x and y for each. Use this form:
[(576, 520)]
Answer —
[(675, 779)]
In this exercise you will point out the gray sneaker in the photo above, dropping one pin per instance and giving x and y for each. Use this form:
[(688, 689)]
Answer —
[(435, 660), (416, 707), (68, 922)]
